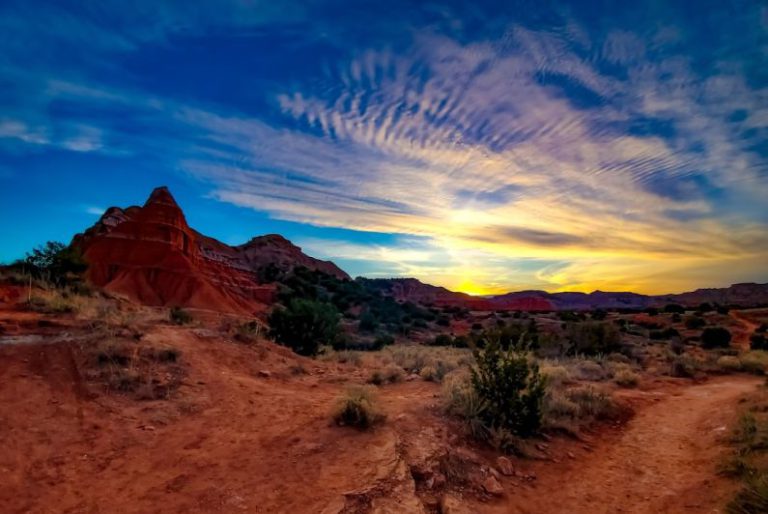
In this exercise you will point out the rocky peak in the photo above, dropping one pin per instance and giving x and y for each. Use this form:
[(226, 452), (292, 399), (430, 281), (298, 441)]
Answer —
[(162, 196)]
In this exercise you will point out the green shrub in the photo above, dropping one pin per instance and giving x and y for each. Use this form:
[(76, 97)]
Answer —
[(674, 308), (510, 386), (357, 408), (382, 340), (715, 337), (694, 322), (758, 341), (593, 337), (667, 333), (461, 341), (303, 325), (54, 262), (179, 316), (442, 340), (368, 322)]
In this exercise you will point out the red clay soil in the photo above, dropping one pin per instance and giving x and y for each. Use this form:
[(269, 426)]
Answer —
[(748, 321), (249, 430), (663, 461)]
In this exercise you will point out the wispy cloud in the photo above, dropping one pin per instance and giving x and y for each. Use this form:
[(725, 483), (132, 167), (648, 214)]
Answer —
[(559, 156)]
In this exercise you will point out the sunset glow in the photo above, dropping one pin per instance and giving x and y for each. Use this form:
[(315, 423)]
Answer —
[(484, 149)]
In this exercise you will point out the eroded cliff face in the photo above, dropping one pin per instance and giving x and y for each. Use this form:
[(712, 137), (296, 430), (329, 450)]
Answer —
[(152, 256)]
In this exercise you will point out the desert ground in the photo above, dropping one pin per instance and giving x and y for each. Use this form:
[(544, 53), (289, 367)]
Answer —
[(116, 409)]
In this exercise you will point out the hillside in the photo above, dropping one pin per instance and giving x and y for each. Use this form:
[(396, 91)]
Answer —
[(151, 255)]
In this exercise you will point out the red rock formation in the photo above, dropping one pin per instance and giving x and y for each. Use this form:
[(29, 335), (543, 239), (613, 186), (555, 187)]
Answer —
[(151, 255)]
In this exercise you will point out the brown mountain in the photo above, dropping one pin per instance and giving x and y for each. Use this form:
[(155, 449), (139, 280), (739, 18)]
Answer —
[(411, 289), (152, 256)]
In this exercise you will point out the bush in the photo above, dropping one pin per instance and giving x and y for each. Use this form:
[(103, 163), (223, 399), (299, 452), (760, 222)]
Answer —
[(382, 340), (461, 400), (179, 316), (754, 362), (368, 322), (357, 408), (429, 374), (55, 262), (590, 370), (442, 340), (729, 363), (303, 325), (626, 378), (667, 333), (592, 402), (593, 337), (694, 322), (715, 337), (683, 366), (556, 375), (674, 308), (511, 388), (758, 342), (752, 499), (461, 341)]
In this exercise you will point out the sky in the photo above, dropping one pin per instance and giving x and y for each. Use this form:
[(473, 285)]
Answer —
[(482, 146)]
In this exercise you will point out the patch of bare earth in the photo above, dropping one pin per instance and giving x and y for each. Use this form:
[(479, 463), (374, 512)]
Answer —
[(248, 429)]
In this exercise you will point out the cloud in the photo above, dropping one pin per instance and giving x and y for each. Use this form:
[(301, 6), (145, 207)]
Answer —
[(96, 211), (611, 156)]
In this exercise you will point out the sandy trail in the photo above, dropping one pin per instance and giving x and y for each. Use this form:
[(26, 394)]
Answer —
[(748, 326), (664, 461)]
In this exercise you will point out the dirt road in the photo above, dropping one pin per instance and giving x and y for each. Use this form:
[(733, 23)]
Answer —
[(663, 461)]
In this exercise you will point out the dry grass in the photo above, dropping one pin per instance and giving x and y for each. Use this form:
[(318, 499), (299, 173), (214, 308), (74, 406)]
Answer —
[(626, 378), (143, 372), (748, 461), (357, 408)]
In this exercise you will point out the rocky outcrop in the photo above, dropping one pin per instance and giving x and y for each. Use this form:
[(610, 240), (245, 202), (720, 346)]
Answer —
[(151, 255)]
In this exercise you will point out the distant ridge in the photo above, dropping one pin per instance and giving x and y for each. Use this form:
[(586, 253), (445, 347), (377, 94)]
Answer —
[(411, 289)]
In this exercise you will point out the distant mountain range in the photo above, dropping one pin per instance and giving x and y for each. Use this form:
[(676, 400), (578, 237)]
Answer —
[(151, 255)]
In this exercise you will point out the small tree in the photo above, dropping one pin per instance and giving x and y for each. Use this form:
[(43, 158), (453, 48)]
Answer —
[(303, 325), (54, 262), (510, 388), (715, 337)]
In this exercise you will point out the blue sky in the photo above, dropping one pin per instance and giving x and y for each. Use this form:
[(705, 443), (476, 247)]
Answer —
[(475, 145)]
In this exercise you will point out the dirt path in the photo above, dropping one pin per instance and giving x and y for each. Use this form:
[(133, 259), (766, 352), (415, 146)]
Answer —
[(250, 431), (662, 462), (748, 327)]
